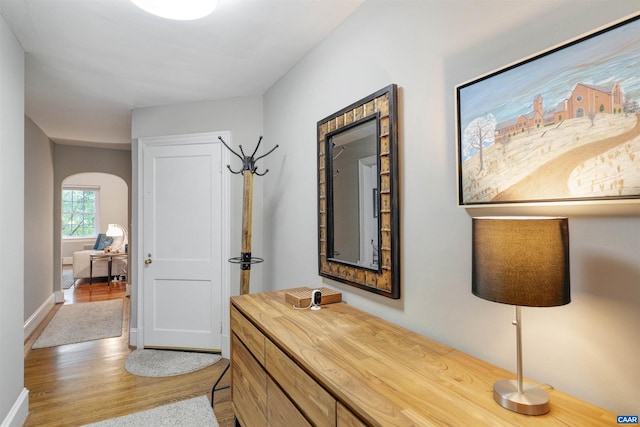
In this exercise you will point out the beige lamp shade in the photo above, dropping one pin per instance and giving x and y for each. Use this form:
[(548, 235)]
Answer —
[(521, 261)]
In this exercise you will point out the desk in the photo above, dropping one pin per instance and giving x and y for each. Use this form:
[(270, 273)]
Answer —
[(109, 257), (340, 366)]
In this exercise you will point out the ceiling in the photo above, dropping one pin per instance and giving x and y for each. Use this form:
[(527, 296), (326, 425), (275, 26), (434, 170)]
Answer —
[(90, 62)]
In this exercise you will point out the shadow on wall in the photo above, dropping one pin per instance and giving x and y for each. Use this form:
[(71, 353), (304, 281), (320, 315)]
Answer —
[(610, 279)]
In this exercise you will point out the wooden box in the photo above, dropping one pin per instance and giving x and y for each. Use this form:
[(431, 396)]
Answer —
[(301, 297)]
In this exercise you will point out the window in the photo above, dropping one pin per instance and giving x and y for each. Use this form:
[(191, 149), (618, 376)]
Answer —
[(80, 211)]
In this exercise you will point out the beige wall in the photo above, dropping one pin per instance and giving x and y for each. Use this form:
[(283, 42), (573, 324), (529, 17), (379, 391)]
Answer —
[(46, 165), (74, 159), (38, 216), (588, 348)]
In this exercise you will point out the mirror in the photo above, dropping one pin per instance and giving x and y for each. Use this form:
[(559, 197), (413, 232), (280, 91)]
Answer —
[(353, 234), (358, 227)]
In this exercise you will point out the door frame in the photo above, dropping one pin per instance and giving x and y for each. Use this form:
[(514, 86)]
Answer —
[(366, 203), (137, 255)]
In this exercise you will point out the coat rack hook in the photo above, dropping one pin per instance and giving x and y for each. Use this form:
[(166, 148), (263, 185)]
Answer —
[(248, 162)]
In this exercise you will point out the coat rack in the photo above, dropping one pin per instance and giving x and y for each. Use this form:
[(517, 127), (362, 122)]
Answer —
[(249, 169), (245, 259)]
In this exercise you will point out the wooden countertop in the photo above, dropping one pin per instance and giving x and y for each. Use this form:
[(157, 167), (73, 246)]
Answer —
[(390, 376)]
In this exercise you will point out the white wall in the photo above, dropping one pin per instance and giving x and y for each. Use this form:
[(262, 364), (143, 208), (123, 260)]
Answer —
[(588, 348), (13, 395)]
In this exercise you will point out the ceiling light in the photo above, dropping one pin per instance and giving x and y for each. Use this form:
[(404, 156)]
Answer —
[(182, 10)]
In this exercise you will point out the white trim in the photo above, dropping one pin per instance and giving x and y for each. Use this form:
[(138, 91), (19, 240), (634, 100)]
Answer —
[(59, 296), (133, 337), (89, 239), (226, 247), (365, 185), (137, 334), (138, 252), (19, 411), (79, 186), (38, 316)]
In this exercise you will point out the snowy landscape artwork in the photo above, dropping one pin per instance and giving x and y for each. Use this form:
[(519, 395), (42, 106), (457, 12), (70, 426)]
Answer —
[(563, 125)]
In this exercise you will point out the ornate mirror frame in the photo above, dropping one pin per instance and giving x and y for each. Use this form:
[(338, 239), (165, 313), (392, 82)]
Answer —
[(385, 280)]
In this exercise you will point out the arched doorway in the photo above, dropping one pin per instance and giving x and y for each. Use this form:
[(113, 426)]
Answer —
[(89, 202), (71, 160)]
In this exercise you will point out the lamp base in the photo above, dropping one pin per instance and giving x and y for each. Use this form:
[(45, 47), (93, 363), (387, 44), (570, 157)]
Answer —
[(532, 401)]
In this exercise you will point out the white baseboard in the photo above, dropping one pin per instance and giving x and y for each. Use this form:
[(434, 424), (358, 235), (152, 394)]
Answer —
[(133, 337), (19, 411), (59, 296), (36, 318), (226, 346), (67, 260)]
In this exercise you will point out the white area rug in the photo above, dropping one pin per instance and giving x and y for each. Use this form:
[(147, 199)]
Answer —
[(81, 322), (167, 363), (194, 412)]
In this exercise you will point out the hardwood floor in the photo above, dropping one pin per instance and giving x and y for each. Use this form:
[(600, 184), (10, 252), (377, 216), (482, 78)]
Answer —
[(82, 383)]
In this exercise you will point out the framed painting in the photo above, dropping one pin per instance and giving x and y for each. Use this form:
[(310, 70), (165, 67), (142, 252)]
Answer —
[(563, 125)]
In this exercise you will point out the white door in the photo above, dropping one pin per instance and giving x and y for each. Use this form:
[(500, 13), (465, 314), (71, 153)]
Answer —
[(182, 248)]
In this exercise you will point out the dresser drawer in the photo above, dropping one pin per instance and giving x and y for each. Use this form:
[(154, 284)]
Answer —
[(347, 419), (248, 334), (314, 401), (280, 410), (248, 386)]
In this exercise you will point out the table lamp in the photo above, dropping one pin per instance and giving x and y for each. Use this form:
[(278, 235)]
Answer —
[(117, 231), (521, 261)]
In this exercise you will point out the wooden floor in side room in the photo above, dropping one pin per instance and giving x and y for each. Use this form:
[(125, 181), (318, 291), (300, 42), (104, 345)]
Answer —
[(82, 383)]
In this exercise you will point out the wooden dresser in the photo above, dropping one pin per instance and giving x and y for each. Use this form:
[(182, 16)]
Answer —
[(340, 366)]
